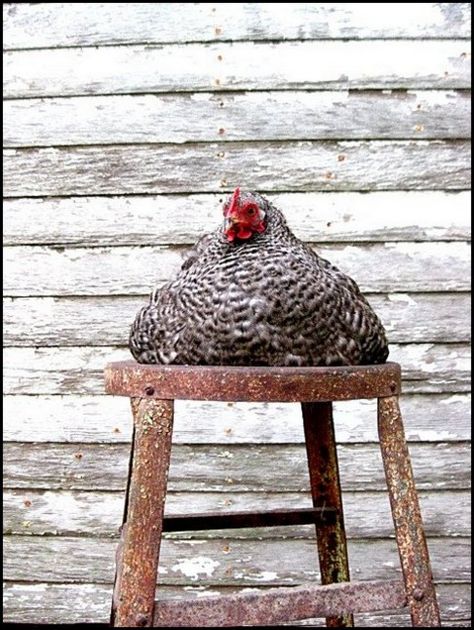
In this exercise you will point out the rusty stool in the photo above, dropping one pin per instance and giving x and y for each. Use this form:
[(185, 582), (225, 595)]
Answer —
[(153, 390)]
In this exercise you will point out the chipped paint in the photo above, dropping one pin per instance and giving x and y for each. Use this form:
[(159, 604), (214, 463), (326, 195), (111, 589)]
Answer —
[(196, 567), (262, 576), (401, 297)]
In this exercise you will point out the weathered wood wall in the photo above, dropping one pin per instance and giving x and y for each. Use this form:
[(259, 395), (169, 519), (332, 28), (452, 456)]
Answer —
[(124, 125)]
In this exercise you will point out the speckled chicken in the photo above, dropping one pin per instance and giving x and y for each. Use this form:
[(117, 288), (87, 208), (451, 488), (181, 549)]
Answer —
[(251, 293)]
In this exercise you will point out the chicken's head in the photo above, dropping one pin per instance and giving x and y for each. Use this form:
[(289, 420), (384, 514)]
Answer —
[(244, 216)]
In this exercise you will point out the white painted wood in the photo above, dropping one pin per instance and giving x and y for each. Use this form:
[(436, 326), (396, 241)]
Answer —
[(226, 561), (315, 217), (450, 372), (79, 370), (74, 603), (248, 116), (173, 124), (56, 603), (237, 66), (39, 25), (84, 419), (275, 166), (99, 514), (385, 267), (97, 321), (229, 469), (75, 270)]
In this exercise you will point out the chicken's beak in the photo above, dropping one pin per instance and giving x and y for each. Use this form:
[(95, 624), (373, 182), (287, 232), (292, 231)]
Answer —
[(231, 221), (230, 227)]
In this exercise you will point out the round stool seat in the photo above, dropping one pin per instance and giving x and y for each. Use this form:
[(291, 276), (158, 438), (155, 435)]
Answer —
[(253, 384)]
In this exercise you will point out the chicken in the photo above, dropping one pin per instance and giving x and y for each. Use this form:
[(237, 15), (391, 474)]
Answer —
[(251, 293)]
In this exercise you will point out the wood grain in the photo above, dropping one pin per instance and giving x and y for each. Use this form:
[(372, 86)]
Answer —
[(125, 126), (314, 217), (357, 115), (378, 267), (98, 321), (211, 167), (107, 419), (72, 370), (237, 66), (226, 561), (230, 469), (99, 514), (40, 25)]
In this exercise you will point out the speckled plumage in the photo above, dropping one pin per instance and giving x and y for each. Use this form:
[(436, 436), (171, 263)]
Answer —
[(267, 300)]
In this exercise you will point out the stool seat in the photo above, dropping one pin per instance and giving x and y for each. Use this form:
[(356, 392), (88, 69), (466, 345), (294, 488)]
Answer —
[(153, 389), (252, 384)]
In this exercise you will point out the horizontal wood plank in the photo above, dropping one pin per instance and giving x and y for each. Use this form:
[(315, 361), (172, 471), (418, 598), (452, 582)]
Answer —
[(56, 603), (210, 468), (40, 25), (97, 419), (74, 603), (250, 116), (237, 66), (73, 370), (183, 101), (378, 267), (225, 561), (100, 514), (314, 217), (212, 167), (98, 321)]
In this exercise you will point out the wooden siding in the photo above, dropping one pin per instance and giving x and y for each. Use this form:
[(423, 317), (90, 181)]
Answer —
[(207, 117), (32, 26), (125, 124)]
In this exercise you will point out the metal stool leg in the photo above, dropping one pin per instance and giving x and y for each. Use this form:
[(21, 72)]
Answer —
[(406, 514), (326, 492), (137, 566)]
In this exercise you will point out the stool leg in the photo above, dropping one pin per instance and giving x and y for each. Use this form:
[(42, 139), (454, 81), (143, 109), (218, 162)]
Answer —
[(137, 560), (406, 515), (326, 492), (123, 529)]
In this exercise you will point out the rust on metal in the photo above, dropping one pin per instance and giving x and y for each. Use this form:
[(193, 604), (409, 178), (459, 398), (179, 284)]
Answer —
[(139, 553), (265, 384), (268, 518), (281, 604), (153, 389), (119, 551), (409, 532), (326, 491)]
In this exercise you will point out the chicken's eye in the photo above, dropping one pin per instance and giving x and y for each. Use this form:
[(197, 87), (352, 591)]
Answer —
[(251, 211)]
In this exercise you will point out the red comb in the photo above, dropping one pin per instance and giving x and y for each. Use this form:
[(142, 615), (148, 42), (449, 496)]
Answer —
[(235, 197), (233, 201)]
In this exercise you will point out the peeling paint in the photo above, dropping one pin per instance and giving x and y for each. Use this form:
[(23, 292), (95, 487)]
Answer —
[(263, 576), (196, 567)]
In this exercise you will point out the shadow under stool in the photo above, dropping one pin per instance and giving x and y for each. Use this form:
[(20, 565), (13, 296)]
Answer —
[(153, 389)]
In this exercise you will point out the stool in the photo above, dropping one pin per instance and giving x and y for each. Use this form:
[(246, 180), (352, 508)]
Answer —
[(153, 389)]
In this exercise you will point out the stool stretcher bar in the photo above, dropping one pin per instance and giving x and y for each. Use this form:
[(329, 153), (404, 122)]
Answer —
[(281, 604), (231, 520)]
